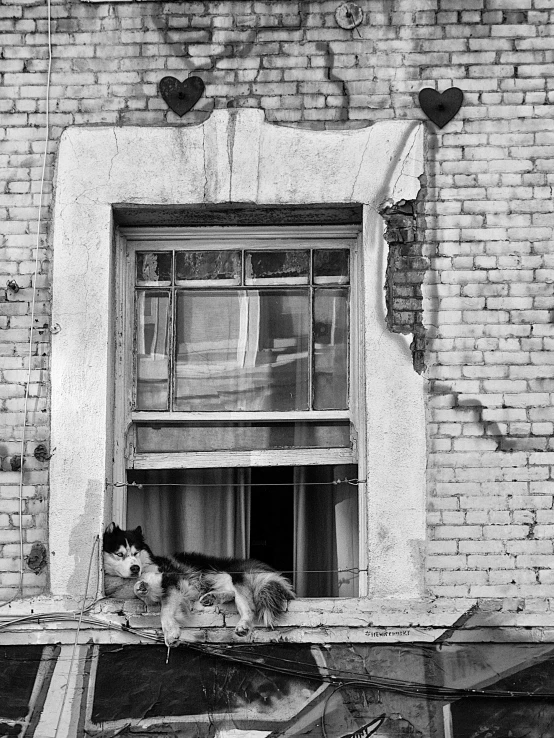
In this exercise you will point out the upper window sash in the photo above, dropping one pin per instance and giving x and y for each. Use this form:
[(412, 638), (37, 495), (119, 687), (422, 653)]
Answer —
[(243, 241)]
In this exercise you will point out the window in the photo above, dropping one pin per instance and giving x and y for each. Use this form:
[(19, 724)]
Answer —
[(238, 360)]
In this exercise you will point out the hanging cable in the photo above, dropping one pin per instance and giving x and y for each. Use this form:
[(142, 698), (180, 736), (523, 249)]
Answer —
[(340, 678), (77, 632)]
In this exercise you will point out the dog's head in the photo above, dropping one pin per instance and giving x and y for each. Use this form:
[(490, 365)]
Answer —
[(125, 552)]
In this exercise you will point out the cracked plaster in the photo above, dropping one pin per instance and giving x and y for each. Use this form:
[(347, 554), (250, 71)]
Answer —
[(235, 157)]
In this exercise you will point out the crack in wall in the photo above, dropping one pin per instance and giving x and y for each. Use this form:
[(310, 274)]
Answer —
[(362, 160), (231, 132)]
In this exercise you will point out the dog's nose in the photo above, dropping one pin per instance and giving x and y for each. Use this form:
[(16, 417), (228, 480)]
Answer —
[(135, 570)]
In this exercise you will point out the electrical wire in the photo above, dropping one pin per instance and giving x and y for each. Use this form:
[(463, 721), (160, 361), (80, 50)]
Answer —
[(340, 678), (77, 632), (19, 590), (325, 705)]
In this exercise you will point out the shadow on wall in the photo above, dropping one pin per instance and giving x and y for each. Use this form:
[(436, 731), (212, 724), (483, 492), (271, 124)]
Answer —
[(342, 90), (217, 74), (491, 428), (507, 436)]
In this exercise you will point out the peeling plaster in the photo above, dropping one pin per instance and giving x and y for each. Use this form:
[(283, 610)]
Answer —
[(406, 269), (82, 545)]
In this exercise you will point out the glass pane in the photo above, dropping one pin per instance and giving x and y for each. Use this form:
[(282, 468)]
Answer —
[(154, 267), (331, 266), (204, 267), (277, 267), (331, 349), (240, 436), (152, 350), (242, 350)]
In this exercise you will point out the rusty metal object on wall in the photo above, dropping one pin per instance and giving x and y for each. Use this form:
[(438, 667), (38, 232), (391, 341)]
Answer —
[(37, 559)]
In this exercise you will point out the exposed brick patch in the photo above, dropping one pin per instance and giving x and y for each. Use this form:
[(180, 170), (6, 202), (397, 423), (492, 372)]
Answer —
[(405, 273)]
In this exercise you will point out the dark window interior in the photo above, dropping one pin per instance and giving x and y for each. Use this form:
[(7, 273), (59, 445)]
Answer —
[(271, 518)]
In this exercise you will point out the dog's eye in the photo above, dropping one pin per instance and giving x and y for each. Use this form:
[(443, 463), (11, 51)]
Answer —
[(118, 553)]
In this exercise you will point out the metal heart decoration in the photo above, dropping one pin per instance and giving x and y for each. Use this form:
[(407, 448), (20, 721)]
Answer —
[(441, 107), (181, 96)]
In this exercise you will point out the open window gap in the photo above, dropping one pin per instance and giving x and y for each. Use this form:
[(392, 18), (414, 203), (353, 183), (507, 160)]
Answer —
[(305, 524)]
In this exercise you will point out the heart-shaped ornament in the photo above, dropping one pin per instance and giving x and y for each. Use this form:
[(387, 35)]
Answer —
[(181, 96), (441, 107)]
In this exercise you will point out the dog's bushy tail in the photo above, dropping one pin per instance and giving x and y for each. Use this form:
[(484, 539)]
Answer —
[(271, 593)]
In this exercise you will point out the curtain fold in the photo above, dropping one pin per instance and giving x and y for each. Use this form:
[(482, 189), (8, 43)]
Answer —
[(325, 532), (208, 512)]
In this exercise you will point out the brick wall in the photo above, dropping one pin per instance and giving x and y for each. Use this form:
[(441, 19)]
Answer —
[(485, 223)]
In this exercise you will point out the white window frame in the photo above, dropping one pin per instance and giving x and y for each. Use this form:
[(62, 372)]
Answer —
[(235, 157), (131, 240)]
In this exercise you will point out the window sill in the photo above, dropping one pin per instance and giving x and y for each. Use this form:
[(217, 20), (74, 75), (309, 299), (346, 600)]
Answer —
[(325, 620)]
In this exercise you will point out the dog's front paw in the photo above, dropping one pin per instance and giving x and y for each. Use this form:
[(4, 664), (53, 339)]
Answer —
[(141, 589), (243, 629)]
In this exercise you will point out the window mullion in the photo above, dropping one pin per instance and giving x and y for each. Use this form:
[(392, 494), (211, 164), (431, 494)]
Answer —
[(311, 343)]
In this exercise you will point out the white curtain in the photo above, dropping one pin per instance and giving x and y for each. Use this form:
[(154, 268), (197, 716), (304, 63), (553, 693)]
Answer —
[(203, 510), (208, 511), (325, 532)]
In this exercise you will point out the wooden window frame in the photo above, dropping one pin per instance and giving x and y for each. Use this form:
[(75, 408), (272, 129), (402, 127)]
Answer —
[(129, 241)]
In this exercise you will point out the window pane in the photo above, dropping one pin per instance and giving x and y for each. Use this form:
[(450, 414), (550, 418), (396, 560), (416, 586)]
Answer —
[(331, 266), (242, 350), (152, 350), (240, 436), (154, 268), (331, 349), (277, 267), (204, 267)]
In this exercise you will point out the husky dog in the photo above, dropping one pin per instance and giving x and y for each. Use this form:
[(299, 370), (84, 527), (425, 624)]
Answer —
[(258, 591), (125, 553)]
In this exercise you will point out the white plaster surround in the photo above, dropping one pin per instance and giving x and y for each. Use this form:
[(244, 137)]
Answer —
[(233, 157)]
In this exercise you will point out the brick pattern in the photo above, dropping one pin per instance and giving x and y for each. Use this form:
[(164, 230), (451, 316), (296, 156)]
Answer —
[(486, 213)]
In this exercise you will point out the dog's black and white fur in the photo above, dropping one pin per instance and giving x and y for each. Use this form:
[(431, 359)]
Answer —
[(177, 583)]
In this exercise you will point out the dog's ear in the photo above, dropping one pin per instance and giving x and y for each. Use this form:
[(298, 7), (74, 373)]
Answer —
[(138, 531), (112, 528)]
